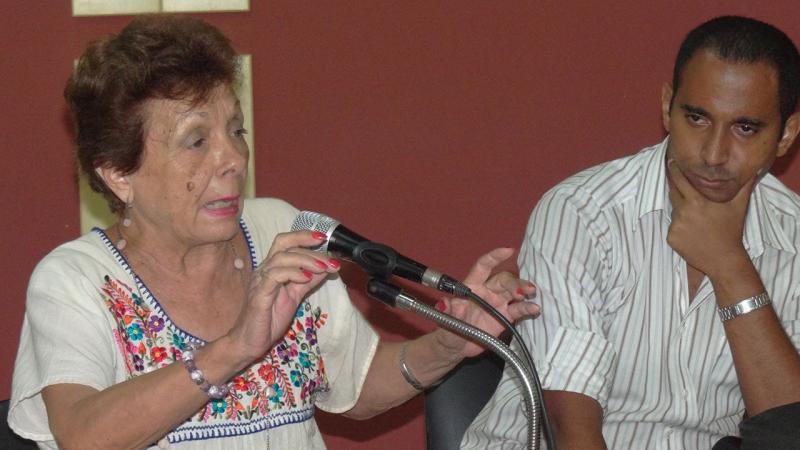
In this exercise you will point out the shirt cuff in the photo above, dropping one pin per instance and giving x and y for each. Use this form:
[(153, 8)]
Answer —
[(580, 361)]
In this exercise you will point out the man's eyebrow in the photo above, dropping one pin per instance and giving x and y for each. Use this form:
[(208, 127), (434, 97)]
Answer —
[(743, 120), (749, 121), (695, 110)]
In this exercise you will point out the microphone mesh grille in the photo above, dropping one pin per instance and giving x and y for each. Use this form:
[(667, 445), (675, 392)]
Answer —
[(314, 221)]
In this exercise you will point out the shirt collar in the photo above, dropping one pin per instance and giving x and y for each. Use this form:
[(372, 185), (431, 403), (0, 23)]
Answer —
[(761, 227), (654, 196)]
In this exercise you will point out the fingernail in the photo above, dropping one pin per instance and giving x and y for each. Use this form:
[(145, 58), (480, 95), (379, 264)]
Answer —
[(531, 285), (320, 264), (520, 291), (334, 263), (441, 306), (319, 236), (307, 274)]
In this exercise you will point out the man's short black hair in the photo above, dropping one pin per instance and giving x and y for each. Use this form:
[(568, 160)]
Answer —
[(744, 40)]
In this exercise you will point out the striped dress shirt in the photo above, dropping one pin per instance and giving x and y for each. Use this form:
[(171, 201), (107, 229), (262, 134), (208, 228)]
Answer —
[(617, 322)]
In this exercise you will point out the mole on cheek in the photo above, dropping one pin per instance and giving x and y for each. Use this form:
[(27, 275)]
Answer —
[(190, 186)]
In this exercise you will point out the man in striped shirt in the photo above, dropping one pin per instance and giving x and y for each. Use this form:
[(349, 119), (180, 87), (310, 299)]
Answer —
[(655, 272)]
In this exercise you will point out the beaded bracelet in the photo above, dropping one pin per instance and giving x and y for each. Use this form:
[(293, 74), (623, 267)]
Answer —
[(214, 391)]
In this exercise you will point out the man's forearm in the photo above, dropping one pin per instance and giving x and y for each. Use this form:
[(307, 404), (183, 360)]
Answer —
[(767, 363), (577, 420)]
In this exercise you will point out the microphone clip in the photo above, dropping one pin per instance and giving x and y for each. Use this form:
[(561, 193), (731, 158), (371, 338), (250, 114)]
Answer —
[(378, 260)]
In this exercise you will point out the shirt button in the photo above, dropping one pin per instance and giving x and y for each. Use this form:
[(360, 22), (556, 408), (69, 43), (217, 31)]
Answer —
[(163, 444)]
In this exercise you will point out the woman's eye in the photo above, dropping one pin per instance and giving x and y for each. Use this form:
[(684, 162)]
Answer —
[(198, 143)]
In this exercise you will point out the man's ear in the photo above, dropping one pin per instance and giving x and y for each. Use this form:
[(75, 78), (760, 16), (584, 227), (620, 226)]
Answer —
[(790, 130), (666, 103), (118, 182)]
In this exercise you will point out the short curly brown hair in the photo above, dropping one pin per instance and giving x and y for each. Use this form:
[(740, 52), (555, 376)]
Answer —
[(154, 57)]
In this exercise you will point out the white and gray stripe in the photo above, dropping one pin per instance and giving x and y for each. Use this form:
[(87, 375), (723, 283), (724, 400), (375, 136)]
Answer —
[(617, 323)]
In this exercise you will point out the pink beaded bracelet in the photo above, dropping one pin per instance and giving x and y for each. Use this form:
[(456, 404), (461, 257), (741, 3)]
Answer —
[(214, 391)]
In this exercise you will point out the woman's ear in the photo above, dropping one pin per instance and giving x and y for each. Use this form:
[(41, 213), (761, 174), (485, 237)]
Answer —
[(118, 182)]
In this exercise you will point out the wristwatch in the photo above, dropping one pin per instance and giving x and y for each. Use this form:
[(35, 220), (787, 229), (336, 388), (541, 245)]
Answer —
[(743, 307)]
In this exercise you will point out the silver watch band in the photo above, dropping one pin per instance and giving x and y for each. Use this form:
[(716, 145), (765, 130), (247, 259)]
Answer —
[(745, 306)]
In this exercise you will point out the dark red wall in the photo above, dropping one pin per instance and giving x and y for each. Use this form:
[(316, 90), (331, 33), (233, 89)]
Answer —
[(433, 126)]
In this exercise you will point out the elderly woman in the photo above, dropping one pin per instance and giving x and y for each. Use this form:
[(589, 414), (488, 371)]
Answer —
[(197, 320)]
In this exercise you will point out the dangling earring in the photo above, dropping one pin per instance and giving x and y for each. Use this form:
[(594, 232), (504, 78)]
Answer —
[(237, 262), (126, 222)]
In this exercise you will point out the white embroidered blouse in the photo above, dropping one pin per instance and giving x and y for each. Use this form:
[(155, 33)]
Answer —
[(90, 320)]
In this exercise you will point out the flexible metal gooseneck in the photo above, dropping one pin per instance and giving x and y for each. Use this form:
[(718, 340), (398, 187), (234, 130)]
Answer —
[(393, 296)]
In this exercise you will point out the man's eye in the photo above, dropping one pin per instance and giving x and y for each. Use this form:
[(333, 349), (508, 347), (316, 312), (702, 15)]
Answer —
[(198, 143), (240, 132), (747, 129), (694, 117)]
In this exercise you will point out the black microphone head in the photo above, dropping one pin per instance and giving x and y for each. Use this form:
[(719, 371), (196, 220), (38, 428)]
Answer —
[(314, 221)]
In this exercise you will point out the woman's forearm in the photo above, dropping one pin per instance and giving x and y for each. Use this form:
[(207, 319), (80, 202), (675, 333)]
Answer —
[(138, 412), (385, 387)]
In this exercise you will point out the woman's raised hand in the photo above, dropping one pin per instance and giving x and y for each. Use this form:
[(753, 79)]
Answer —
[(504, 291), (277, 286)]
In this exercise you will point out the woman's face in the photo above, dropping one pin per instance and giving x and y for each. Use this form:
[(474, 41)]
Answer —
[(193, 170)]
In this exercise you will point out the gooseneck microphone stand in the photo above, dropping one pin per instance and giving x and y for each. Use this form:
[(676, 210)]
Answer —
[(391, 295)]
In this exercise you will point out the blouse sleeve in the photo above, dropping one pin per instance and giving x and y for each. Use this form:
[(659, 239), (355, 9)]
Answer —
[(347, 343), (65, 338)]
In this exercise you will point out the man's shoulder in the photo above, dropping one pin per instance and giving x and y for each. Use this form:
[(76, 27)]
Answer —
[(612, 182), (779, 199)]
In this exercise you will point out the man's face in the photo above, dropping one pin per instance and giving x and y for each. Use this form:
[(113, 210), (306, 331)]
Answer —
[(724, 124)]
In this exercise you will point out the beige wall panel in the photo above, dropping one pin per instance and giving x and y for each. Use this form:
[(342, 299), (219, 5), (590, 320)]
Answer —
[(245, 93), (111, 7), (205, 5), (94, 210)]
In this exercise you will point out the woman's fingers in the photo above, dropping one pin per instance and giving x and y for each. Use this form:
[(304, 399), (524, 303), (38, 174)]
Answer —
[(314, 262), (509, 287), (269, 278), (485, 264), (521, 309), (292, 239), (298, 270)]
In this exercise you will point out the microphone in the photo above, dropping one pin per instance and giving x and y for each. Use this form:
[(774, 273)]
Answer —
[(377, 259)]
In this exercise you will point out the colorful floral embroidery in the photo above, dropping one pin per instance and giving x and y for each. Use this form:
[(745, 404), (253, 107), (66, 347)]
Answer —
[(285, 379)]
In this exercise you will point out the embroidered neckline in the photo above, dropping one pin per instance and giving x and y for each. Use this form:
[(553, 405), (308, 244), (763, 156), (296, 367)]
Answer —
[(149, 297), (293, 370)]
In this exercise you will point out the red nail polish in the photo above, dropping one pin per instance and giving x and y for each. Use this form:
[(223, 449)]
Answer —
[(307, 274), (441, 305), (319, 236), (334, 263), (520, 292), (530, 285), (320, 264)]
